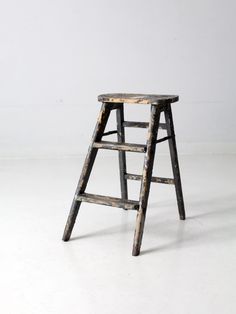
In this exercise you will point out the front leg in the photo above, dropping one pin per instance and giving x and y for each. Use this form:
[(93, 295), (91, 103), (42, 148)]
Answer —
[(146, 178)]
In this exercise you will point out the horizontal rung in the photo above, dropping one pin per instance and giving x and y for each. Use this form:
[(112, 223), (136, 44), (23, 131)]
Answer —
[(113, 106), (134, 124), (131, 176), (144, 125), (108, 201), (162, 126), (163, 139), (109, 133), (138, 148)]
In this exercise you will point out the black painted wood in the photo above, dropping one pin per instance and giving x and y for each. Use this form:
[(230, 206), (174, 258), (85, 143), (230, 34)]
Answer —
[(113, 105), (87, 168), (174, 161), (146, 178), (163, 139), (122, 154), (108, 201), (131, 176), (109, 133)]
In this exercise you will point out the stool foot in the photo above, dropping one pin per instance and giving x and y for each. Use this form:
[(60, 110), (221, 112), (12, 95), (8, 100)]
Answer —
[(139, 232), (136, 252), (71, 220)]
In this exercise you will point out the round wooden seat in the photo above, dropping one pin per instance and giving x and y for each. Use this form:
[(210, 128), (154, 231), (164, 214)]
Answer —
[(138, 98)]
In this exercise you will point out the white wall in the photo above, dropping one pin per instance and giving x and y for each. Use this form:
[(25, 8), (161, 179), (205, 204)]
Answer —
[(57, 56)]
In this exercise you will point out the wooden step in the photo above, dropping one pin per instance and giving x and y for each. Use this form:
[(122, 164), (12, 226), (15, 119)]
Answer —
[(131, 176), (143, 125), (108, 201), (138, 148)]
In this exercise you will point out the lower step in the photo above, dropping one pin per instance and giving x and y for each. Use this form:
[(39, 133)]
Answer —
[(107, 200)]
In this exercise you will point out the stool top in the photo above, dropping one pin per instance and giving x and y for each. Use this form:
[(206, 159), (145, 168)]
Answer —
[(138, 98)]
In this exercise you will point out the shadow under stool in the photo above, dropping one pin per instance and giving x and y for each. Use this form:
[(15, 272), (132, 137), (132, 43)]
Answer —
[(158, 104)]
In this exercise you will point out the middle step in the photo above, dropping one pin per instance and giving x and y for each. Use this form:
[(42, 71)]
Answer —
[(129, 147)]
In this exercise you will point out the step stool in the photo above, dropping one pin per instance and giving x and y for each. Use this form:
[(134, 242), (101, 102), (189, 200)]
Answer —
[(158, 103)]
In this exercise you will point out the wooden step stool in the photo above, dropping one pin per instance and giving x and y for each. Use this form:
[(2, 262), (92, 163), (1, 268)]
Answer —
[(111, 102)]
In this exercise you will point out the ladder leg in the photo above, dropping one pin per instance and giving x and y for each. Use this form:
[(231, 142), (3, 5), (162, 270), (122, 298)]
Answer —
[(146, 178), (122, 154), (87, 168), (174, 161)]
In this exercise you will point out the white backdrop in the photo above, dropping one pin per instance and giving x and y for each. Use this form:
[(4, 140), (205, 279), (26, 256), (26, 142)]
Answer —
[(57, 56)]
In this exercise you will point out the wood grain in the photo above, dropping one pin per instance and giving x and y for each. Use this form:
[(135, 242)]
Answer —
[(129, 147), (108, 201), (146, 178), (131, 176), (138, 98), (142, 125)]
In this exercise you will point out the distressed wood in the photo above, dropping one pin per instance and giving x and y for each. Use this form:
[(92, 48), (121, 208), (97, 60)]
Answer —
[(135, 124), (138, 98), (143, 125), (129, 147), (108, 201), (87, 168), (122, 154), (174, 161), (146, 178), (131, 176), (114, 102)]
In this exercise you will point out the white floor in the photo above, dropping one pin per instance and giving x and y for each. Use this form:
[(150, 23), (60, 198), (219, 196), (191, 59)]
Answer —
[(185, 267)]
